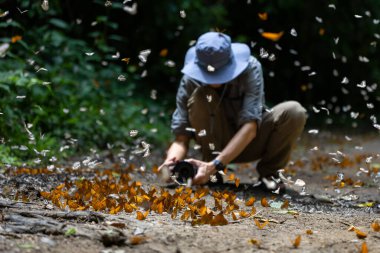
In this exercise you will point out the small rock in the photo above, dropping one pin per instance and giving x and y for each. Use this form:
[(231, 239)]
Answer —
[(48, 241)]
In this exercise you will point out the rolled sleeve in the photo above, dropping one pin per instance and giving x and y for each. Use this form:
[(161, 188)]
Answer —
[(254, 94), (180, 119)]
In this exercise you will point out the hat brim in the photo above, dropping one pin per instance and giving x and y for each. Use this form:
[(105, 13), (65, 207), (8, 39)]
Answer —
[(237, 64)]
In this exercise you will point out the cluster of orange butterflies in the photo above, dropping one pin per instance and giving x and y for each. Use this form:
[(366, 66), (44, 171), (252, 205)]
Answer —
[(113, 193)]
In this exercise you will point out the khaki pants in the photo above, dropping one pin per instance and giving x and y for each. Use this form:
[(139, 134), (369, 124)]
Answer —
[(275, 138)]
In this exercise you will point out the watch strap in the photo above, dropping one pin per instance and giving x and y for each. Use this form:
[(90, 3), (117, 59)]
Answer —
[(219, 166)]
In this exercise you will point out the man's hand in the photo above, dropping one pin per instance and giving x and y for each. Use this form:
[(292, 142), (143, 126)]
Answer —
[(165, 169), (167, 163), (205, 170)]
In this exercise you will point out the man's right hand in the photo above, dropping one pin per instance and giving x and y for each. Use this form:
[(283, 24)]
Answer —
[(167, 163), (165, 168)]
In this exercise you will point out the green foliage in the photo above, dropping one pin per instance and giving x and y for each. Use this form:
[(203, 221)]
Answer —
[(59, 82), (57, 90)]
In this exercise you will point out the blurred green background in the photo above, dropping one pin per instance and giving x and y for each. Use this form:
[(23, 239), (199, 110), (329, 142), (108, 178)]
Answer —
[(83, 74)]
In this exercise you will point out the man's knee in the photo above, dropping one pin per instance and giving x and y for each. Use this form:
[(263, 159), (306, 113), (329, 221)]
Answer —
[(295, 112)]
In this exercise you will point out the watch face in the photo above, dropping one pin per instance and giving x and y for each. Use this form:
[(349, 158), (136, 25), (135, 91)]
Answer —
[(218, 165)]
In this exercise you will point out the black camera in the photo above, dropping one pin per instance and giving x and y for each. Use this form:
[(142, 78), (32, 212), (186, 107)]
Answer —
[(183, 170)]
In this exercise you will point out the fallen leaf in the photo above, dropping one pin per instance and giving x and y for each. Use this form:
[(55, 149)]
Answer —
[(366, 204), (118, 225), (272, 36), (309, 232), (70, 231), (135, 240), (297, 241)]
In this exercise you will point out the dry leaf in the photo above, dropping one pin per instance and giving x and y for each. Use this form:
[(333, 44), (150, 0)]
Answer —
[(297, 241), (309, 232), (272, 36), (135, 240), (234, 216), (118, 225)]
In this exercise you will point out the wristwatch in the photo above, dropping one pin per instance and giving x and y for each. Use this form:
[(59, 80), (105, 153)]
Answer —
[(219, 166)]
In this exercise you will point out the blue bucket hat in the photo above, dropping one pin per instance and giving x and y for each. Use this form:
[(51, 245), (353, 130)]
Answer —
[(215, 60)]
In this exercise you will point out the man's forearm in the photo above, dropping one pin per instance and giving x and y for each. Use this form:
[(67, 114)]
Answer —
[(178, 149), (238, 143)]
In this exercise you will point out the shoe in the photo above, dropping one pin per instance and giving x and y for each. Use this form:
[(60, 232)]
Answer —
[(272, 183)]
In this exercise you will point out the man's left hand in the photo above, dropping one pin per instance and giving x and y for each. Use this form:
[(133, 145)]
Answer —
[(205, 170)]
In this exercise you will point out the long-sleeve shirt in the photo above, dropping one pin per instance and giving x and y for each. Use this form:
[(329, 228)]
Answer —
[(243, 100)]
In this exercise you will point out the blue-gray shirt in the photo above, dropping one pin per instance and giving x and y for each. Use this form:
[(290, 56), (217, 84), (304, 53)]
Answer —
[(243, 100)]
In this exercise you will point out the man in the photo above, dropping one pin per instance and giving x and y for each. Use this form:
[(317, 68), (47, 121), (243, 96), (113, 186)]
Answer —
[(220, 103)]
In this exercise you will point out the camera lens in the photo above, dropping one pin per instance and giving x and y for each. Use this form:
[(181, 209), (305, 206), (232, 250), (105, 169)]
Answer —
[(184, 170)]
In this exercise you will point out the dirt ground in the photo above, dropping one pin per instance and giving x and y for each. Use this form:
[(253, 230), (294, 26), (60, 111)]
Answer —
[(336, 210)]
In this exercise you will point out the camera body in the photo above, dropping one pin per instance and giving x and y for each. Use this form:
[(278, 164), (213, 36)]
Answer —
[(183, 170)]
